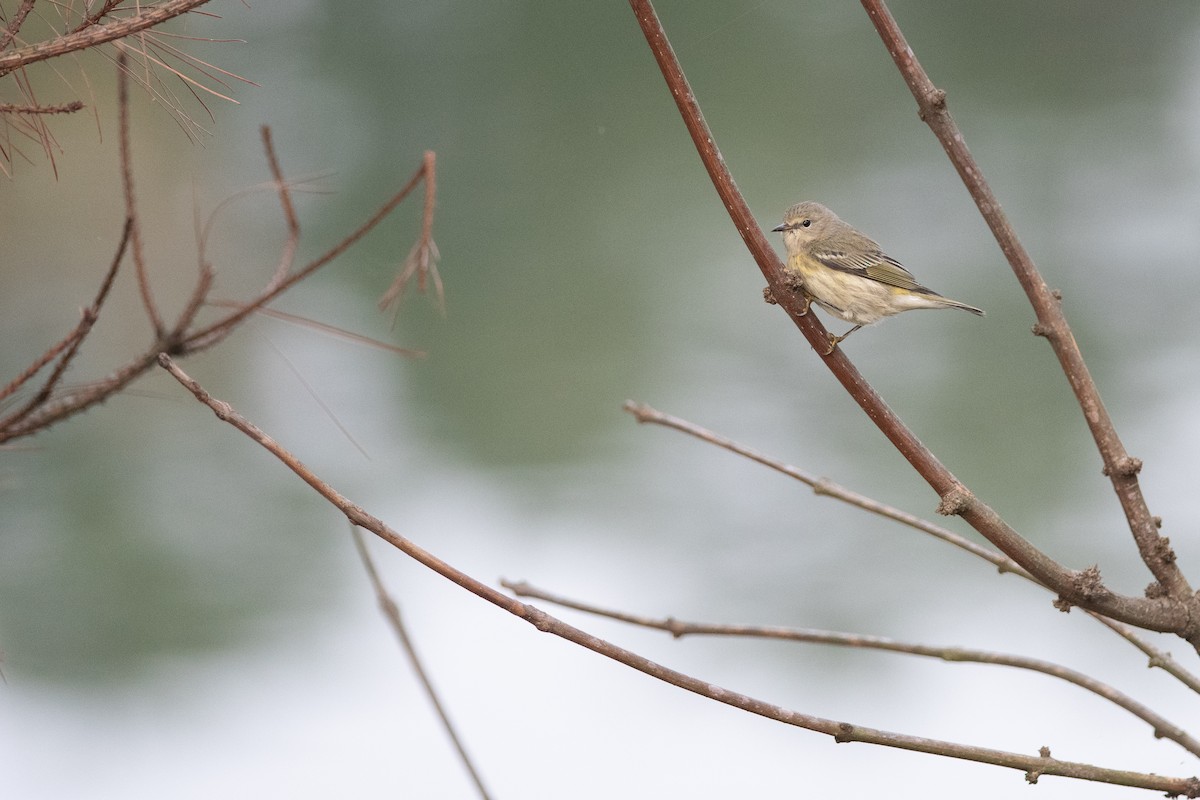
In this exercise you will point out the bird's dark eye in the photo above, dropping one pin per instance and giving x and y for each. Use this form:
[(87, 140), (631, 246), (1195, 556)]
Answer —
[(806, 223)]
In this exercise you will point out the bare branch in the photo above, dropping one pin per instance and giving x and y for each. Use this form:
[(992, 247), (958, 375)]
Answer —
[(1163, 728), (182, 338), (392, 611), (139, 256), (70, 343), (64, 108), (422, 259), (1119, 466), (1041, 764), (207, 336), (14, 24), (90, 33), (288, 256), (825, 487)]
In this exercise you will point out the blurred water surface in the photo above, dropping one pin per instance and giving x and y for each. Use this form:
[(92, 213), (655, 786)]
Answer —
[(183, 616)]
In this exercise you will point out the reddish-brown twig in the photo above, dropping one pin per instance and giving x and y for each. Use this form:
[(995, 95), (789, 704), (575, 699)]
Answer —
[(1119, 466), (422, 259), (288, 256), (70, 343), (139, 255)]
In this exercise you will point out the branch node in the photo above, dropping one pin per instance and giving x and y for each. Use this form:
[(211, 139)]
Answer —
[(1125, 467), (845, 733), (1162, 551), (1032, 775), (1056, 294), (934, 103), (956, 501), (1156, 591), (822, 486), (769, 296), (1040, 329), (1088, 585)]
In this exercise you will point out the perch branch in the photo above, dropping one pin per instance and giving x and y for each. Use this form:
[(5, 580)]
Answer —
[(1082, 588)]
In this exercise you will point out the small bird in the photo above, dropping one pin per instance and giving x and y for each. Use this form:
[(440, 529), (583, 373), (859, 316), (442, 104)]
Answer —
[(848, 274)]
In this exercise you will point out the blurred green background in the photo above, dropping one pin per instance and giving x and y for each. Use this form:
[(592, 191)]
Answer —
[(176, 608)]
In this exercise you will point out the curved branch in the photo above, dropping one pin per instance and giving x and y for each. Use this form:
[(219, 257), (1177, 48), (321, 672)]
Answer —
[(823, 486), (1119, 466), (1082, 588), (1034, 766), (391, 610), (1163, 728)]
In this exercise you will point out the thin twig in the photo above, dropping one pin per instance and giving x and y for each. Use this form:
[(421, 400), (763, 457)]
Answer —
[(1034, 766), (392, 611), (70, 343), (423, 257), (212, 333), (331, 330), (288, 256), (823, 486), (1080, 588), (139, 256), (1163, 728), (14, 24), (18, 108), (182, 339), (1120, 467)]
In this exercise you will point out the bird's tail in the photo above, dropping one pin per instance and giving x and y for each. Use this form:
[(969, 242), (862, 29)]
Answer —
[(955, 304)]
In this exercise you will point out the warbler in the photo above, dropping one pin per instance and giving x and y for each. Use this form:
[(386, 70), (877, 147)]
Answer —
[(848, 274)]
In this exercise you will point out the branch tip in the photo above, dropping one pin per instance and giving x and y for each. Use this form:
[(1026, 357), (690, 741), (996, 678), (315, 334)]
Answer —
[(640, 411)]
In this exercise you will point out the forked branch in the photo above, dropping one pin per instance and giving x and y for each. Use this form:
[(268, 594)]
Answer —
[(827, 488), (1082, 588), (1119, 466), (185, 335)]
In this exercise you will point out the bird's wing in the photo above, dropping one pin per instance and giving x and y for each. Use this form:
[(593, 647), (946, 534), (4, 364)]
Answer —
[(873, 264)]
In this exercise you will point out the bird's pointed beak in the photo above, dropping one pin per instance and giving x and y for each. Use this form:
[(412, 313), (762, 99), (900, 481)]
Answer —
[(779, 228)]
